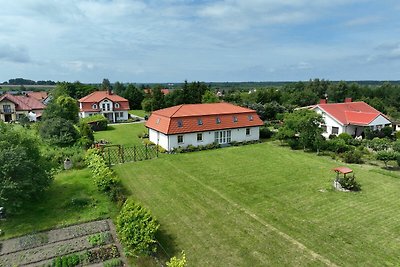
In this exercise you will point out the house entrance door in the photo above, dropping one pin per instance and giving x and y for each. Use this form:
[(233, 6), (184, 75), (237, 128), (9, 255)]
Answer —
[(7, 117)]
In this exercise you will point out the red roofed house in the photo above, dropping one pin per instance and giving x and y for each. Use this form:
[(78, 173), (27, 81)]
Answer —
[(115, 108), (202, 124), (12, 107), (350, 117)]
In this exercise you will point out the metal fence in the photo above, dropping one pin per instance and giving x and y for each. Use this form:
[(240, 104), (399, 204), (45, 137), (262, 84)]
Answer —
[(114, 154)]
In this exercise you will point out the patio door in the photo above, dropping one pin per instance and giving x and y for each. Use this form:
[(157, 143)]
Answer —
[(222, 137)]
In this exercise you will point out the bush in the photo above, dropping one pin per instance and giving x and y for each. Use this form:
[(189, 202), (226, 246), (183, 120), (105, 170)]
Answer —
[(349, 182), (265, 133), (136, 229), (103, 176), (59, 132), (177, 262), (378, 144), (345, 136), (386, 156), (294, 143), (337, 145), (96, 122), (353, 156)]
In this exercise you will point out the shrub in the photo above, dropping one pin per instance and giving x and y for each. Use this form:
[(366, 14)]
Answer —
[(177, 262), (57, 155), (96, 122), (294, 143), (345, 136), (337, 145), (397, 135), (378, 144), (136, 229), (59, 132), (353, 156), (386, 131), (396, 146), (265, 133), (349, 182)]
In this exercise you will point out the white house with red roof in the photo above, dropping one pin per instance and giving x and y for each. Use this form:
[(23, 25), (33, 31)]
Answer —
[(350, 117), (114, 107), (12, 107), (202, 124)]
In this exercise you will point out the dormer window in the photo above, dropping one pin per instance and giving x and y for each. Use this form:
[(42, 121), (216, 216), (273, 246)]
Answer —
[(250, 117), (235, 119), (218, 120), (94, 106), (199, 122), (180, 123), (158, 121), (116, 105)]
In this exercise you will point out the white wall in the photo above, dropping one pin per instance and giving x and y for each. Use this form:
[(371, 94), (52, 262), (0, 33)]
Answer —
[(380, 122), (169, 142), (330, 122)]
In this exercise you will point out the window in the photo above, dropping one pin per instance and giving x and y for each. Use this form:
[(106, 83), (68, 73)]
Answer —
[(180, 139), (180, 123), (235, 119), (250, 117), (218, 120), (199, 122), (199, 137), (103, 107), (7, 108), (94, 106), (247, 131), (116, 105), (121, 114), (335, 130), (117, 114), (324, 128)]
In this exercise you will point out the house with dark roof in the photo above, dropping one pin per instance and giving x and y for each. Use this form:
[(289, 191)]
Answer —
[(12, 107), (114, 107), (350, 117), (202, 124)]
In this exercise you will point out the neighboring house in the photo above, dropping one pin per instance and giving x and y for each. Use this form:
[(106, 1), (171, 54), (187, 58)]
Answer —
[(12, 107), (165, 91), (41, 96), (350, 117), (202, 124), (114, 107)]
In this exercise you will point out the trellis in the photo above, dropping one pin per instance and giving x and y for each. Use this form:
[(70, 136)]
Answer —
[(115, 154)]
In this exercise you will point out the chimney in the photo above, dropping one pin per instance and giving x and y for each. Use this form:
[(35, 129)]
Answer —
[(109, 91), (347, 100), (323, 101)]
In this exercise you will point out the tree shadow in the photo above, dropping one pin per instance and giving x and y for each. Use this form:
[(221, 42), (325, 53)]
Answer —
[(167, 246)]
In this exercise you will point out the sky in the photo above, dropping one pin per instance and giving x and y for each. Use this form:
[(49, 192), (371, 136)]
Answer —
[(199, 40)]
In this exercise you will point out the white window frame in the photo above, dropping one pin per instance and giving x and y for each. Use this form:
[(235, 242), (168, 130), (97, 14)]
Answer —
[(117, 105), (94, 106), (248, 131), (336, 128), (201, 137), (178, 137)]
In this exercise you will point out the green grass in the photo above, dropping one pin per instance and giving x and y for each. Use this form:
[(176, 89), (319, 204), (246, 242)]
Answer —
[(122, 134), (72, 198), (138, 112), (264, 205)]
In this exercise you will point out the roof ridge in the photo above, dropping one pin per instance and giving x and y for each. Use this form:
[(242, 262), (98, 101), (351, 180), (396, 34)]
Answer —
[(180, 106)]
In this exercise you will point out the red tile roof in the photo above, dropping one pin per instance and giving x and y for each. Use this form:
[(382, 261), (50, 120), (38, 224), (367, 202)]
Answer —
[(356, 113), (186, 118), (38, 95), (24, 102), (98, 96)]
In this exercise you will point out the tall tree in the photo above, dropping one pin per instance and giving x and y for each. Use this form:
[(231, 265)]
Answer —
[(24, 173), (106, 85)]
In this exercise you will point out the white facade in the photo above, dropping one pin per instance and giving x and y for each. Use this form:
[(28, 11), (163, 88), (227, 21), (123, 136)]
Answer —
[(335, 127), (169, 142), (113, 116)]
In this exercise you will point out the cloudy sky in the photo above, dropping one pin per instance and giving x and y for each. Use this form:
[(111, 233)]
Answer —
[(205, 40)]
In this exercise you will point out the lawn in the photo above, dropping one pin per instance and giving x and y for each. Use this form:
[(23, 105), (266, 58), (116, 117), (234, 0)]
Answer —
[(265, 205), (122, 134), (138, 112), (72, 198)]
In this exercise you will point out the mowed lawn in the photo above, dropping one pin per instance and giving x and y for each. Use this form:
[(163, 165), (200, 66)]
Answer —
[(122, 134), (265, 205), (72, 198)]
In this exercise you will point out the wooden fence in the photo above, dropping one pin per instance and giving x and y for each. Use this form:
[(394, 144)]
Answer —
[(114, 154)]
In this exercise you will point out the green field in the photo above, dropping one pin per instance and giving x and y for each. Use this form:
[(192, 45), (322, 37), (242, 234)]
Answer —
[(62, 204), (138, 112), (122, 134), (265, 205)]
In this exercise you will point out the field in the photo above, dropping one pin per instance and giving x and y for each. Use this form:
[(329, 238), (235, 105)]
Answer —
[(122, 134), (265, 205), (72, 198)]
